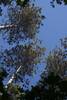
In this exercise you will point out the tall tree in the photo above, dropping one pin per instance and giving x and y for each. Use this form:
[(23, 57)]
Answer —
[(27, 52), (57, 59), (12, 92), (53, 82)]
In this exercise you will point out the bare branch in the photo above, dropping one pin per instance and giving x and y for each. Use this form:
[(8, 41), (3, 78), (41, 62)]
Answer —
[(13, 76), (7, 26)]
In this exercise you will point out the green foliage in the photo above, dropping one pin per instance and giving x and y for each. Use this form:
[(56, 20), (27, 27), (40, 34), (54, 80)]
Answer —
[(22, 2), (65, 2), (16, 92), (9, 2), (27, 51), (50, 87), (19, 2), (13, 92), (27, 21), (27, 56), (57, 59), (53, 87), (3, 73), (3, 92), (53, 82)]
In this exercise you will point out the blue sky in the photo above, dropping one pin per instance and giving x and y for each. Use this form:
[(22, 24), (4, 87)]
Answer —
[(55, 27), (55, 24)]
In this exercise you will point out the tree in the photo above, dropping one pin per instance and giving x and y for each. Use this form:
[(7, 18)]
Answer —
[(57, 59), (12, 92), (26, 52), (16, 92), (3, 92), (53, 82), (23, 24), (21, 3)]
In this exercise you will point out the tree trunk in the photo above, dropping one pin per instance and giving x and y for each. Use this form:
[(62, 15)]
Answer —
[(7, 26)]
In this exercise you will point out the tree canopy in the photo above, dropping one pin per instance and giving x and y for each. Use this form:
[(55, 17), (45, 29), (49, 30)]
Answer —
[(21, 31), (53, 82), (25, 54)]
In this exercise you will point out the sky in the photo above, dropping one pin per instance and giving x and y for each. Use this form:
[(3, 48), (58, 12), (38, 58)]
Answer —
[(55, 27), (55, 24)]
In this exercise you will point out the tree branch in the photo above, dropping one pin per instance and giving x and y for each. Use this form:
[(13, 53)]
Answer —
[(7, 26), (13, 76)]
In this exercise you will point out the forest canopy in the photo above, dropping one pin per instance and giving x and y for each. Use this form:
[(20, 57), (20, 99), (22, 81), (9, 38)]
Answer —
[(21, 59)]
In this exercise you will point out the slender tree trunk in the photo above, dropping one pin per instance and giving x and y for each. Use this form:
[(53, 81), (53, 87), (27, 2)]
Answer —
[(7, 26), (13, 76)]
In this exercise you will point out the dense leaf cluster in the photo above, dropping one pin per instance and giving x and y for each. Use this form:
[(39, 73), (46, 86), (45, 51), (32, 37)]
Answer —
[(27, 21), (57, 59), (27, 56), (22, 2)]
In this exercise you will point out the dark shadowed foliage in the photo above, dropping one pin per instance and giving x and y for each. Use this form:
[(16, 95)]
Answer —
[(22, 2), (3, 92)]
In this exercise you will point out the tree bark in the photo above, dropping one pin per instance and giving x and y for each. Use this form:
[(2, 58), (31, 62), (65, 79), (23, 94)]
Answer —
[(7, 26), (13, 76)]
